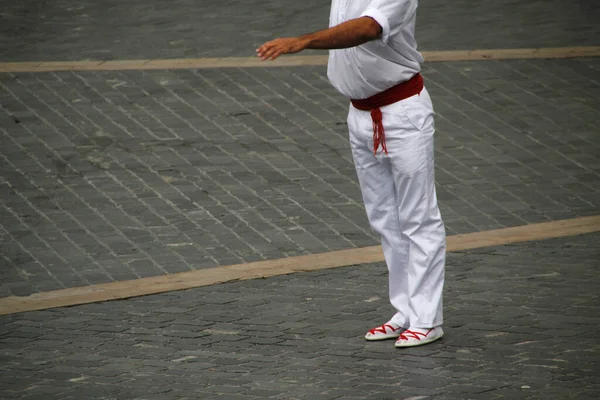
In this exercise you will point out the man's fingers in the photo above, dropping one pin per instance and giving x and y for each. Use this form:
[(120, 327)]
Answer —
[(268, 51), (275, 55), (262, 50), (273, 49)]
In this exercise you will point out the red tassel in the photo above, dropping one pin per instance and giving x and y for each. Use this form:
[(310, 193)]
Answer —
[(378, 132), (401, 91)]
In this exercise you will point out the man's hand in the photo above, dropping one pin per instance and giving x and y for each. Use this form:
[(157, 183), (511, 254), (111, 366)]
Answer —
[(347, 34), (273, 49)]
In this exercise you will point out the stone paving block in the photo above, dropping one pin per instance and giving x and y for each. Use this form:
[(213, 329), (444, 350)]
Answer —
[(194, 30), (503, 336), (241, 165)]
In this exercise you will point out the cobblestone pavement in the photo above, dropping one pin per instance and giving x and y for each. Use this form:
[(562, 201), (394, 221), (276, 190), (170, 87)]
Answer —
[(114, 29), (521, 323), (117, 175), (108, 176)]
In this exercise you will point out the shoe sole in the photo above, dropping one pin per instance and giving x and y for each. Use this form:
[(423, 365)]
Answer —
[(419, 343), (381, 337)]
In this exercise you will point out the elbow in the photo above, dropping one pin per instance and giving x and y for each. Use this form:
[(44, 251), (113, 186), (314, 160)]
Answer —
[(372, 29)]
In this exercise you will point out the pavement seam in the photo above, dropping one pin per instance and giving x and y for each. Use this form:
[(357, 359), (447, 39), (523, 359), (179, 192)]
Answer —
[(290, 61), (263, 269)]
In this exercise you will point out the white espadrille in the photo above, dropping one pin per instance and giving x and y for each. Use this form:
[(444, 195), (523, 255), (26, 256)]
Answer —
[(419, 336), (389, 330)]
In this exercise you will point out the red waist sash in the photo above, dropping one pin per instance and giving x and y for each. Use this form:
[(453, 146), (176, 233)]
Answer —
[(401, 91)]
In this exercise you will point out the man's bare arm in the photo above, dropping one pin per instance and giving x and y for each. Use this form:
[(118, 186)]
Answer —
[(348, 34)]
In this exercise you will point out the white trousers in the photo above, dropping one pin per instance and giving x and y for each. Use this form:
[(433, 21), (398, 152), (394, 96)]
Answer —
[(398, 191)]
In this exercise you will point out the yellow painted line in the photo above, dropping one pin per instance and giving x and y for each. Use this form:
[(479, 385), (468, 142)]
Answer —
[(264, 269), (289, 61)]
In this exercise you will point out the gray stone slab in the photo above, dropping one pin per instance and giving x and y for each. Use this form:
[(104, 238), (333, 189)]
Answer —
[(117, 175), (519, 323), (76, 30)]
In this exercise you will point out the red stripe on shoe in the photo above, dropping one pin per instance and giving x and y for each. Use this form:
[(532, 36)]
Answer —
[(414, 334), (382, 329)]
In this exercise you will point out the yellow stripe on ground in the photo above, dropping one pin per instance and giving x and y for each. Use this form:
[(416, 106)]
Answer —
[(264, 269), (289, 61)]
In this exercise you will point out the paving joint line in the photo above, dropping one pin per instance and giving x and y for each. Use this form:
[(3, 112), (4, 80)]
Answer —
[(263, 269), (289, 61)]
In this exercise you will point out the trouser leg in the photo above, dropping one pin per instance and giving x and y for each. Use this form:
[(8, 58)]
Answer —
[(399, 194), (378, 190)]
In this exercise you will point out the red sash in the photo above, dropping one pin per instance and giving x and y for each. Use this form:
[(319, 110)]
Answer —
[(401, 91)]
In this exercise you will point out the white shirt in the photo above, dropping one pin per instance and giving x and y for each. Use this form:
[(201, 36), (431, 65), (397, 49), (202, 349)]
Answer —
[(362, 71)]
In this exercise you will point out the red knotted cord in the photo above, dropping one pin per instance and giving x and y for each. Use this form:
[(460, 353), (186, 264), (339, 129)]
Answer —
[(378, 131), (401, 91)]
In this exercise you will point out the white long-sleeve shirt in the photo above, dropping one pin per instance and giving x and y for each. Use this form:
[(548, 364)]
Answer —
[(362, 71)]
